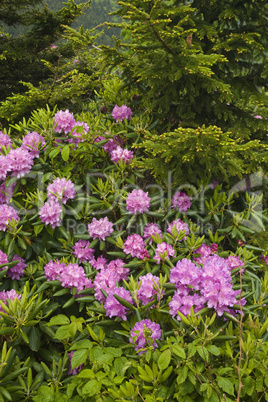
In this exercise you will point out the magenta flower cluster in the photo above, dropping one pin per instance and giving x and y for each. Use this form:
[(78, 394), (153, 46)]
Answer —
[(17, 271), (4, 140), (135, 246), (149, 287), (113, 307), (137, 201), (144, 334), (71, 275), (61, 190), (9, 294), (121, 154), (108, 277), (7, 214), (32, 142), (151, 230), (163, 252), (180, 226), (181, 201), (198, 287), (120, 113), (100, 229), (83, 252)]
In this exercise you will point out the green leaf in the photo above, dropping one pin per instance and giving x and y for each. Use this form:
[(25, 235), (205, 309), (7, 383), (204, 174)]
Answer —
[(59, 319), (182, 375), (65, 153), (91, 388), (202, 351), (38, 229), (79, 357), (226, 385), (164, 359), (179, 351), (213, 350), (45, 394), (87, 373), (34, 339)]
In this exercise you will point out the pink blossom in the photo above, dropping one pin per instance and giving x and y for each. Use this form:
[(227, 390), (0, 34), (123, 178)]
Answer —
[(61, 189), (135, 246), (180, 226), (137, 201), (113, 307), (144, 334), (148, 288), (181, 201), (6, 193), (3, 259), (73, 275), (32, 142), (4, 140), (99, 263), (151, 230), (9, 294), (110, 145), (50, 213), (120, 153), (204, 251), (120, 113), (83, 252), (7, 213), (5, 166), (257, 116), (64, 121), (100, 229), (53, 270), (118, 267), (185, 273), (17, 271), (163, 252), (21, 162)]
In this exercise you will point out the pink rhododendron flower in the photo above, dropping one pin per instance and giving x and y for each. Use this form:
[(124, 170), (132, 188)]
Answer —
[(73, 275), (53, 270), (137, 201), (185, 273), (61, 189), (135, 246), (50, 213), (163, 252), (3, 259), (100, 229), (6, 193), (205, 251), (99, 263), (4, 140), (9, 294), (64, 121), (21, 162), (147, 290), (151, 230), (144, 333), (110, 145), (113, 307), (120, 113), (180, 226), (17, 271), (120, 153), (83, 252), (181, 201), (5, 166), (32, 142), (7, 213)]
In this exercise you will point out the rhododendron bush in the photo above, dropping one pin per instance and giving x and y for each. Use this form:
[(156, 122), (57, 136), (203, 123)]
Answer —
[(114, 287)]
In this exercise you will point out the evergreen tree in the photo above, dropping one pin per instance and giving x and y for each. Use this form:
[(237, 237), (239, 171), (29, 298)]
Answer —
[(196, 62), (21, 56)]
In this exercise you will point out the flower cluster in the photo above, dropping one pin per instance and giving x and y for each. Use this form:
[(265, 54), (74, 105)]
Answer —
[(17, 271), (113, 307), (7, 213), (163, 251), (120, 113), (149, 287), (144, 334), (135, 246), (4, 140), (151, 230), (181, 201), (20, 162), (180, 226), (100, 229), (108, 277), (9, 294), (32, 142), (71, 275), (137, 201), (50, 213), (61, 190), (83, 252), (121, 154), (210, 285), (64, 121), (205, 251), (6, 193)]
